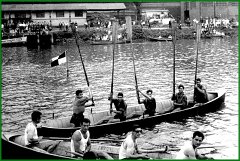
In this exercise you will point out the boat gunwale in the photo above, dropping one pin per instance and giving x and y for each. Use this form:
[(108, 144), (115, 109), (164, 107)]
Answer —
[(219, 93)]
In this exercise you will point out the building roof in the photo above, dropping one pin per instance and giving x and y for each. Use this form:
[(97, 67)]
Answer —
[(63, 6)]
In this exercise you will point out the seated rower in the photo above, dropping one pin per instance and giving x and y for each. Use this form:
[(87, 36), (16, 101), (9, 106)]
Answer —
[(189, 150), (200, 93), (180, 99), (149, 102), (81, 144), (129, 148), (120, 105), (32, 140)]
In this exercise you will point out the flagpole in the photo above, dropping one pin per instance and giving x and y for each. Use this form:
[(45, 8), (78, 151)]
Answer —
[(54, 94), (67, 63)]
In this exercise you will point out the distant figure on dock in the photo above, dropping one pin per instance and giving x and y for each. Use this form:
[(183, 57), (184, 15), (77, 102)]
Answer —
[(120, 105), (149, 103), (79, 107)]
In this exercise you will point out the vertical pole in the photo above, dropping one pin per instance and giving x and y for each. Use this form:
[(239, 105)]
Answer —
[(174, 44), (67, 63), (198, 28)]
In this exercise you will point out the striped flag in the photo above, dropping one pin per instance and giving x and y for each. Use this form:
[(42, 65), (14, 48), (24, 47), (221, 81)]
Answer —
[(59, 59)]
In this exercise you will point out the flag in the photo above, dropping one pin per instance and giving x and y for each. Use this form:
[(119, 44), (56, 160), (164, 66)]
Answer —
[(59, 59)]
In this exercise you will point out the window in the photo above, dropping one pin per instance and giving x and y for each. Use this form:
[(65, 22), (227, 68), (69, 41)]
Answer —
[(40, 14), (20, 15), (193, 5), (207, 4), (233, 3), (78, 13), (221, 4), (60, 14)]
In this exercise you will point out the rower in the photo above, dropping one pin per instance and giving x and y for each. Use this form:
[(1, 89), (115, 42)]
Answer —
[(32, 140), (189, 150), (79, 106), (129, 148)]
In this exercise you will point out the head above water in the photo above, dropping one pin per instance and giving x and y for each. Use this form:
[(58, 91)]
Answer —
[(36, 116), (198, 80), (197, 138), (78, 92)]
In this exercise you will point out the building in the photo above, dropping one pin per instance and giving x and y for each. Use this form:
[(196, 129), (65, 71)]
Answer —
[(196, 10), (54, 13)]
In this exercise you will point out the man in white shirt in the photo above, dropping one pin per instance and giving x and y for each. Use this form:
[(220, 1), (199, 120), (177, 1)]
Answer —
[(129, 148), (189, 150), (31, 136)]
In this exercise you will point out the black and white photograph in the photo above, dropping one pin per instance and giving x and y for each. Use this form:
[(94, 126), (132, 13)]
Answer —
[(120, 80)]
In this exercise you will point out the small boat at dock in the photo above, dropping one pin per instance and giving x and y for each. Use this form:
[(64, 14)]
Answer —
[(14, 41)]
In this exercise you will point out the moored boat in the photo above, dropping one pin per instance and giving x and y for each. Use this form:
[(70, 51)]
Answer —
[(108, 42), (160, 38), (14, 41), (101, 125)]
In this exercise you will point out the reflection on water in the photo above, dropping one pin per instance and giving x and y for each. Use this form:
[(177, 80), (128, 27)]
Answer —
[(28, 82)]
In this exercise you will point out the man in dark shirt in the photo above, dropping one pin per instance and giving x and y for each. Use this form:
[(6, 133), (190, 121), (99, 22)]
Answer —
[(200, 93), (180, 99), (149, 103), (120, 105)]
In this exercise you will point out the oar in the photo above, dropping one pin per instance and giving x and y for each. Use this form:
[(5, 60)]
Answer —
[(129, 30), (174, 53), (114, 37), (69, 138), (75, 153), (198, 28), (135, 75), (75, 35), (155, 150)]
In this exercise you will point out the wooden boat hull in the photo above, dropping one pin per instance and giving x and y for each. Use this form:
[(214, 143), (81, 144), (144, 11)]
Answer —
[(159, 39), (61, 128), (14, 41), (13, 148), (108, 42)]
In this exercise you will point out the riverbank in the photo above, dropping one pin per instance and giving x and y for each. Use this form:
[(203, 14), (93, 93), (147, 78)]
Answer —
[(139, 34)]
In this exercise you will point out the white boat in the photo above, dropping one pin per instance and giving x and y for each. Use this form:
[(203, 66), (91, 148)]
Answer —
[(19, 40)]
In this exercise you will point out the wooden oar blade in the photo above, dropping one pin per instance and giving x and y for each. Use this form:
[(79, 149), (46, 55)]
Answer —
[(198, 30), (114, 31), (129, 27)]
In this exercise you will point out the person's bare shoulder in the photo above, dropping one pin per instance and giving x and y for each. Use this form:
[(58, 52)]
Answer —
[(76, 136)]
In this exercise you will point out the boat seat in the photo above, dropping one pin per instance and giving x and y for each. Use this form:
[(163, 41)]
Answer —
[(135, 111), (164, 106), (211, 96), (20, 140), (97, 117), (60, 123)]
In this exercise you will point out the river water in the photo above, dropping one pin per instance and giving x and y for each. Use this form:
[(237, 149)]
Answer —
[(29, 83)]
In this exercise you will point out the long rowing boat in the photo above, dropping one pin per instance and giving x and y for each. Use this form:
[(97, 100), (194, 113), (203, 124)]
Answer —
[(101, 125), (13, 148)]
